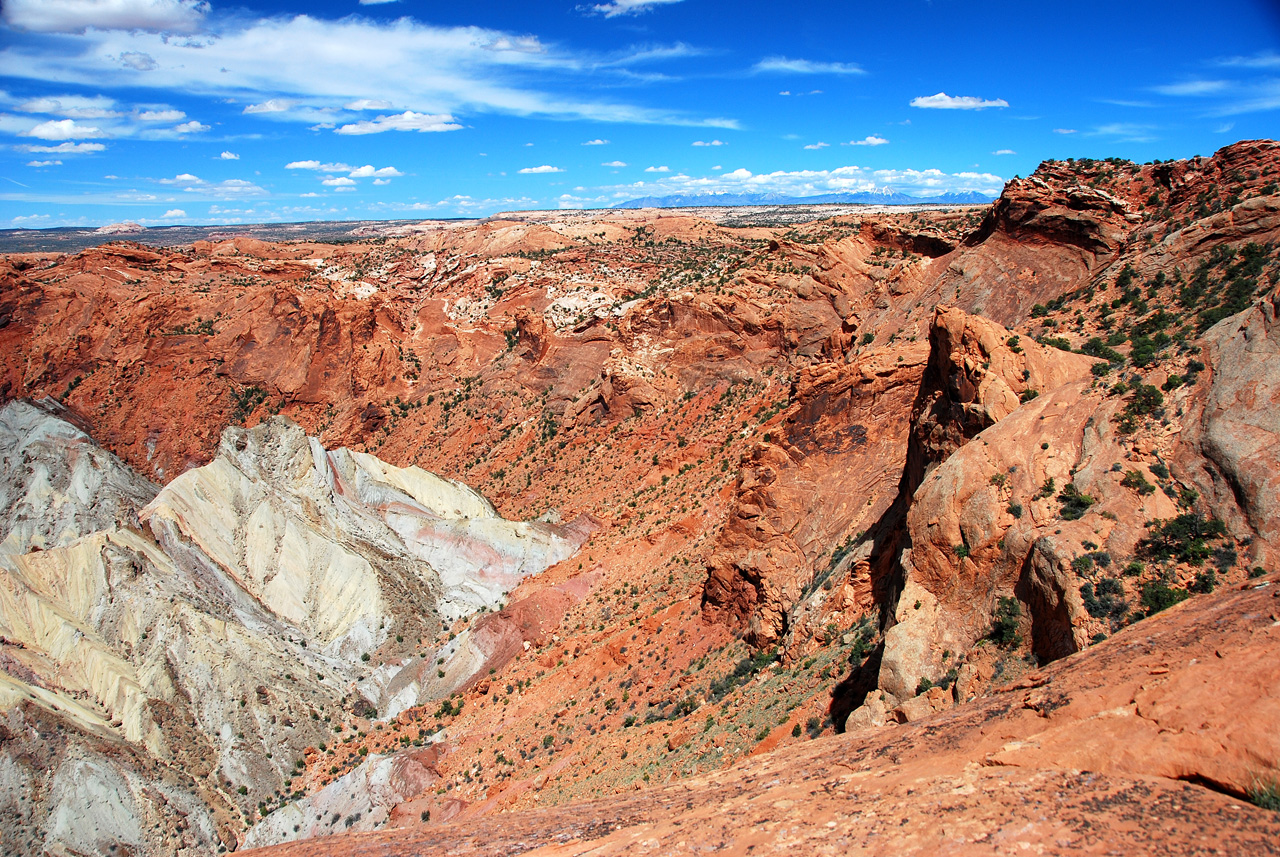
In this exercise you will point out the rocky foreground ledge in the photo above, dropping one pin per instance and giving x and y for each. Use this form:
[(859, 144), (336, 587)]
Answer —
[(1147, 743)]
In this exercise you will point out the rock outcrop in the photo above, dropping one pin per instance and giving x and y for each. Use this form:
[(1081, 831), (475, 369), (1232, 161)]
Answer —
[(1144, 743), (188, 668)]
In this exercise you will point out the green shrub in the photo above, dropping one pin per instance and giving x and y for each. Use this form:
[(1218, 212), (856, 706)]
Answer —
[(1106, 600), (1265, 795), (1074, 504), (1158, 595), (962, 551), (1015, 509), (1004, 625), (1135, 480), (1184, 538)]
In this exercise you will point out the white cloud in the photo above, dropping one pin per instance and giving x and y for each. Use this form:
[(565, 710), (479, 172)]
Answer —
[(338, 181), (406, 121), (272, 105), (30, 218), (310, 194), (368, 103), (424, 69), (596, 142), (545, 168), (794, 66), (54, 163), (717, 167), (316, 165), (923, 183), (818, 145), (228, 156), (614, 164), (229, 189), (161, 115), (662, 169), (709, 143), (942, 101), (382, 181), (75, 16), (173, 212), (1004, 152), (1064, 130), (73, 106), (138, 61), (1192, 87), (66, 148), (376, 2), (871, 140), (628, 7), (63, 129), (367, 171), (192, 127)]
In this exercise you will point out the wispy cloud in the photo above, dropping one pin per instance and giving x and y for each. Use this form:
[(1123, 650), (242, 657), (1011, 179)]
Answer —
[(614, 8), (66, 148), (75, 16), (661, 169), (942, 101), (818, 145), (872, 140), (229, 189), (1064, 130), (1125, 132), (420, 68), (614, 164), (1192, 87), (545, 168), (813, 182), (596, 142), (786, 65), (229, 156), (1004, 152), (709, 143), (1264, 59), (406, 121)]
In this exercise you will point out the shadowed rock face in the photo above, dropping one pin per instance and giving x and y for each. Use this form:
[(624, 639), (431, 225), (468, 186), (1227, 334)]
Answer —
[(177, 670), (1110, 749)]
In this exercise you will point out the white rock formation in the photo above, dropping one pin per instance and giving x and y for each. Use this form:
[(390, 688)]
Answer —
[(192, 641)]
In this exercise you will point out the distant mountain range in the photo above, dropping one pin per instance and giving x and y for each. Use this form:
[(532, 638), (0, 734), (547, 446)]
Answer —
[(880, 196)]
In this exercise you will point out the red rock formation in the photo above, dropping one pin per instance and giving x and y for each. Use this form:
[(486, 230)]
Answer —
[(1145, 743)]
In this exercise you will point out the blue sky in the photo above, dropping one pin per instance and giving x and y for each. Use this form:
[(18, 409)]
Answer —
[(182, 111)]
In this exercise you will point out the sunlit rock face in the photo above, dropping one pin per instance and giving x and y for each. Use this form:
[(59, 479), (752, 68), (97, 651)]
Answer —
[(163, 650)]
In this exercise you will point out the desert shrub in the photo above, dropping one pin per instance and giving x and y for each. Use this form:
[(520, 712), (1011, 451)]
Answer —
[(1135, 480), (1074, 504), (1105, 600), (1015, 509), (1265, 794), (1184, 538), (1004, 625), (1158, 595)]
